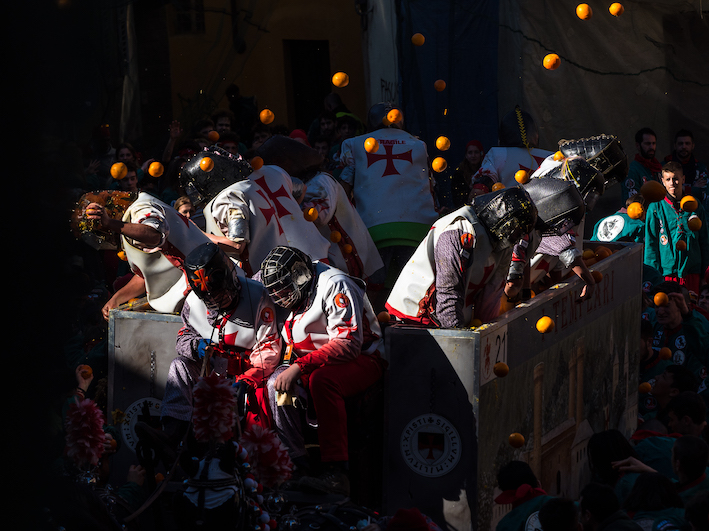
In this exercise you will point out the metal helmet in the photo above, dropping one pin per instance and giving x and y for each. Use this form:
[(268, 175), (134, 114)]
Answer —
[(287, 274), (507, 214), (115, 203), (297, 159), (517, 129), (559, 204), (377, 114), (603, 152), (212, 276), (589, 181), (202, 186)]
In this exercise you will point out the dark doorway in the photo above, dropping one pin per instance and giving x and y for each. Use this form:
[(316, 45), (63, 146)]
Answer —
[(307, 65)]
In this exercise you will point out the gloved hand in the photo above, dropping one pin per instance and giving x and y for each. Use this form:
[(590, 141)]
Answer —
[(243, 390), (202, 345)]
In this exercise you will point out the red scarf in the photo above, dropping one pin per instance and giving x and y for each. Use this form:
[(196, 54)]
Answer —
[(641, 434), (653, 165), (520, 495)]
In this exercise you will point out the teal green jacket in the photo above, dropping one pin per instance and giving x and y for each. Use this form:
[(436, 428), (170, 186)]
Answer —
[(689, 343), (516, 519)]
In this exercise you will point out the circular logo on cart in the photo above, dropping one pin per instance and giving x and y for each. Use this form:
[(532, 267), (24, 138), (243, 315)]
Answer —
[(430, 445), (145, 410)]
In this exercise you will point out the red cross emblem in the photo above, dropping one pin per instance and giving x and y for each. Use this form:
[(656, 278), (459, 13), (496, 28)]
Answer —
[(277, 209), (474, 288), (390, 169), (230, 339), (539, 163), (430, 441)]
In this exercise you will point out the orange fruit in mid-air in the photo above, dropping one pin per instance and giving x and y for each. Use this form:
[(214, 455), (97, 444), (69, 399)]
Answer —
[(266, 116), (443, 143), (439, 85), (665, 353), (681, 245), (119, 171), (371, 145), (688, 203), (159, 477), (122, 256), (552, 61), (545, 325), (516, 440), (439, 164), (156, 169), (394, 116), (584, 11), (86, 371), (335, 236), (340, 79), (558, 155), (497, 186), (213, 136), (418, 39), (501, 369), (645, 388), (616, 9), (653, 191), (635, 210), (207, 164), (603, 252), (347, 249), (522, 177), (694, 223), (311, 214), (383, 317), (661, 299), (256, 163), (597, 276)]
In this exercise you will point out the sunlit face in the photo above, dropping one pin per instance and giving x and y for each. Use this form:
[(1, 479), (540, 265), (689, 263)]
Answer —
[(684, 145), (474, 155), (673, 183), (129, 183), (187, 210), (647, 146), (125, 155)]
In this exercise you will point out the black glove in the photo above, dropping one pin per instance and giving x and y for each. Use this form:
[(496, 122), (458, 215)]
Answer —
[(243, 391)]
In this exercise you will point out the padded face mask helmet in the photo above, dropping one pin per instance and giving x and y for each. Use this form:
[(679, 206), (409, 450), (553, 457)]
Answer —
[(517, 129), (287, 274), (559, 204), (297, 159), (589, 181), (202, 185), (603, 152), (507, 214), (377, 114), (211, 276)]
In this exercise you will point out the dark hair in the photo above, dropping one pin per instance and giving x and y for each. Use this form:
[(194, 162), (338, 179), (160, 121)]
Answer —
[(603, 448), (228, 136), (705, 287), (514, 474), (692, 454), (647, 331), (696, 511), (559, 514), (129, 147), (644, 131), (221, 113), (637, 198), (600, 500), (668, 286), (683, 379), (684, 132), (201, 124), (688, 404), (652, 492), (672, 167)]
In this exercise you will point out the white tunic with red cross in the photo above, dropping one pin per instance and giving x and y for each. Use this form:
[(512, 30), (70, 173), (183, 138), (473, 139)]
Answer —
[(274, 218), (250, 330), (501, 163), (352, 249), (413, 296), (337, 325), (392, 184), (165, 282)]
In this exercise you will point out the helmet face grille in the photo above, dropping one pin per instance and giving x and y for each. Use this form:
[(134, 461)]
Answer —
[(286, 273)]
